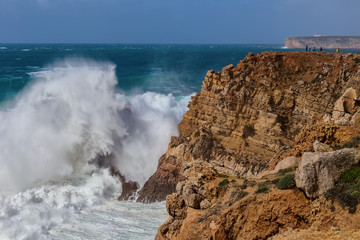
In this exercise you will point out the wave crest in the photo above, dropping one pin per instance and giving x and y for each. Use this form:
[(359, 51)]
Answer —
[(70, 114)]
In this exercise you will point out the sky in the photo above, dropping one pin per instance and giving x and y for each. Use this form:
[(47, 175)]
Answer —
[(174, 21)]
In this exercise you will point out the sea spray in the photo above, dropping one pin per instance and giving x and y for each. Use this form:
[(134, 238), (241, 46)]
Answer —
[(59, 123), (153, 121), (70, 114)]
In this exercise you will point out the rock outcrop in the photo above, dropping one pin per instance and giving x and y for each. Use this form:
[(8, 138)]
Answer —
[(246, 116), (242, 124), (128, 191), (232, 212), (318, 171)]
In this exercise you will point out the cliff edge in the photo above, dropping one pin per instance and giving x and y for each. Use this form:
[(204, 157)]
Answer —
[(247, 124)]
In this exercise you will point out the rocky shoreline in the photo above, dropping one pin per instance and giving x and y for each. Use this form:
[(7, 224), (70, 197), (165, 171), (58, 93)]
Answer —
[(261, 148)]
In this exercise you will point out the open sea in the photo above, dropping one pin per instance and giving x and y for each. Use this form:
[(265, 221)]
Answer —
[(63, 105)]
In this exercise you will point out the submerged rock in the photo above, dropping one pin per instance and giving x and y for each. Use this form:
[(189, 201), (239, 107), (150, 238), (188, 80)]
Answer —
[(129, 190)]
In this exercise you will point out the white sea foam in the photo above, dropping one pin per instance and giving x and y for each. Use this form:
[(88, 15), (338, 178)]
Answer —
[(3, 48), (70, 114), (32, 213), (120, 220), (58, 124)]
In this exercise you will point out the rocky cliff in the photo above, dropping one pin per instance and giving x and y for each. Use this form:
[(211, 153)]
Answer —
[(324, 42), (246, 120)]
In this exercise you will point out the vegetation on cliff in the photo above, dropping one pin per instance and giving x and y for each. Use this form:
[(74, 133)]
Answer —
[(347, 189)]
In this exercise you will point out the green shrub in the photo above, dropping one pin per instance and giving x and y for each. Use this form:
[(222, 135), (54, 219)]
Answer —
[(285, 170), (347, 189), (221, 175), (244, 194), (347, 198), (266, 183), (356, 186), (286, 182), (263, 189), (275, 181), (237, 195), (233, 180), (224, 182), (351, 175)]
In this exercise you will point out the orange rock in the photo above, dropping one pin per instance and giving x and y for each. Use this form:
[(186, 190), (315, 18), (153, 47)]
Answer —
[(243, 122)]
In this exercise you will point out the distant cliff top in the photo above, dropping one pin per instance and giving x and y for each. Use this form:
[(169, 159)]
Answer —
[(349, 42)]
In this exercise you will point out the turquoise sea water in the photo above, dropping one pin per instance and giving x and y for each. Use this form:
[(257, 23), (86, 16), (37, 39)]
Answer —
[(176, 69), (62, 105)]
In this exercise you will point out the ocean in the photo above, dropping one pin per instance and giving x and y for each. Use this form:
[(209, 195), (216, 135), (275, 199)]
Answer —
[(63, 105)]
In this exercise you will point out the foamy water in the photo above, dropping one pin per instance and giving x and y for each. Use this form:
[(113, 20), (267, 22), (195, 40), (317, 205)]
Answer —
[(114, 220), (52, 131)]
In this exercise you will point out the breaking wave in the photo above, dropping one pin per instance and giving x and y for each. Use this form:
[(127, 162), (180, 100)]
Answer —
[(69, 115)]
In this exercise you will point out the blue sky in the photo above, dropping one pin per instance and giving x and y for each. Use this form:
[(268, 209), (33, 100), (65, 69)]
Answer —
[(174, 21)]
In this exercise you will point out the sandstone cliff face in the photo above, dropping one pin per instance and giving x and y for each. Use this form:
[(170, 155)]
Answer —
[(245, 120), (247, 117), (323, 41)]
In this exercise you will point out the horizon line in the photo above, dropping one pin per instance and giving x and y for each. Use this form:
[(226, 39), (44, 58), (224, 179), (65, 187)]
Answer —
[(141, 43)]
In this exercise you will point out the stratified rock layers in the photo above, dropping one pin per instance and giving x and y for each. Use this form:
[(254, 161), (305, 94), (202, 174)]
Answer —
[(245, 117), (269, 109)]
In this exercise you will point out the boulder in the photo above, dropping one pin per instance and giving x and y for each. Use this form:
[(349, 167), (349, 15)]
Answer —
[(175, 206), (345, 104), (190, 193), (318, 171), (193, 200)]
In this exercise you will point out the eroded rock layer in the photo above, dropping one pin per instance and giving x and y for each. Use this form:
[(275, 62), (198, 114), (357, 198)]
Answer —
[(246, 115), (222, 176)]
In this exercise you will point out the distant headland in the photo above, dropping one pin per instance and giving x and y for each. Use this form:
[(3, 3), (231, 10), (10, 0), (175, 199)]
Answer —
[(324, 42)]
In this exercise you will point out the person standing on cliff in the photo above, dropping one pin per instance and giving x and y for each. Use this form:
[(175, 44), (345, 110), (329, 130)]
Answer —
[(337, 49), (306, 48), (321, 49)]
